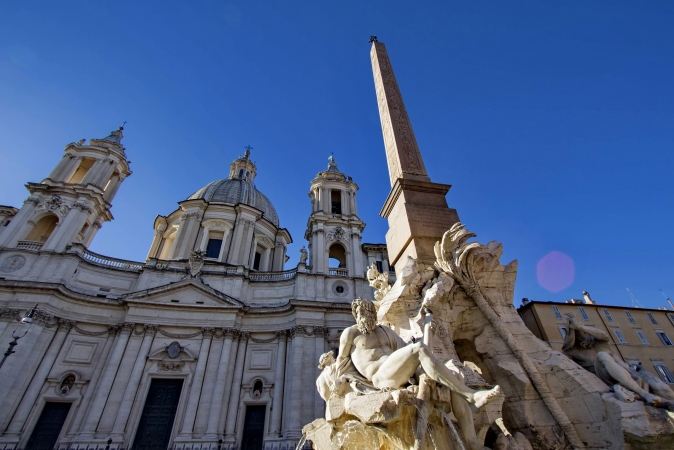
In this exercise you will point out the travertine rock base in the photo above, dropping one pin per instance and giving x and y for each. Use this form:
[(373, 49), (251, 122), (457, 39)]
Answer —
[(643, 427), (388, 420)]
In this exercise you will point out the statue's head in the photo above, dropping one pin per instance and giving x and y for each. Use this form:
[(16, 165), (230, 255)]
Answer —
[(326, 359), (365, 314), (584, 340)]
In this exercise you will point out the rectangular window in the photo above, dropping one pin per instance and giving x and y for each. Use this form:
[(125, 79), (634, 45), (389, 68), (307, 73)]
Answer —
[(213, 248), (642, 336), (562, 331), (620, 336), (256, 262), (629, 316), (380, 266), (664, 338), (671, 318), (608, 315), (664, 372), (583, 313), (558, 314), (650, 316)]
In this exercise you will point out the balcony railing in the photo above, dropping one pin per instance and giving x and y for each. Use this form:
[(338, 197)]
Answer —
[(337, 272), (110, 262), (273, 276), (29, 245)]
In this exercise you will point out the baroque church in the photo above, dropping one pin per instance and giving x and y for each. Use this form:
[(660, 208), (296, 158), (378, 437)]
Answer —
[(211, 343)]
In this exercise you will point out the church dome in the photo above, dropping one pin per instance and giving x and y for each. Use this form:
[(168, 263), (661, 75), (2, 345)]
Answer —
[(236, 191)]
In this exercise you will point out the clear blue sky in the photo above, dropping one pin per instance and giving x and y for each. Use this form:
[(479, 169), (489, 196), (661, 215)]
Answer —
[(553, 121)]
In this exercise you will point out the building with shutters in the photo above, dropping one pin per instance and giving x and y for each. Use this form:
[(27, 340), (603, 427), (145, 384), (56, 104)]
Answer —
[(638, 335), (210, 343)]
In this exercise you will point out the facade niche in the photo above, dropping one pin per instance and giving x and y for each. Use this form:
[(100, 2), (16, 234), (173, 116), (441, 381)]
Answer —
[(43, 229)]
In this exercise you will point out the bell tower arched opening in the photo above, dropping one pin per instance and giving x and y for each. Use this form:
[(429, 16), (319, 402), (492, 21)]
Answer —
[(337, 256), (43, 229)]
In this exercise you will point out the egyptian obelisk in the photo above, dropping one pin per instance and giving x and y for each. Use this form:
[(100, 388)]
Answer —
[(416, 208)]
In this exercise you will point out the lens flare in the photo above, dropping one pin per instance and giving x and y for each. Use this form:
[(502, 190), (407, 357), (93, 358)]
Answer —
[(555, 271)]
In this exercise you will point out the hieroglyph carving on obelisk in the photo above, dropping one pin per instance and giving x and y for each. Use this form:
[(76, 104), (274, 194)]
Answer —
[(402, 151)]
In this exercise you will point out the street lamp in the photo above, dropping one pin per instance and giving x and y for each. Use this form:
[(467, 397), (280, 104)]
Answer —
[(19, 332)]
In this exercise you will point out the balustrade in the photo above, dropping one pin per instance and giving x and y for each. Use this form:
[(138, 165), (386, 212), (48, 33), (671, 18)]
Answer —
[(273, 276), (110, 262), (337, 272), (29, 245)]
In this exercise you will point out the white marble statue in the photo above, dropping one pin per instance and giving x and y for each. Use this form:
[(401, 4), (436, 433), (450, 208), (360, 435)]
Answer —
[(588, 346), (383, 358), (303, 255), (378, 281)]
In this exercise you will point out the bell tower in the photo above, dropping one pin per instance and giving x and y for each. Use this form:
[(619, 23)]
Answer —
[(334, 230), (71, 204)]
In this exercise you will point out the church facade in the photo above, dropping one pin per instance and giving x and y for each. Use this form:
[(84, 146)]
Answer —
[(210, 343)]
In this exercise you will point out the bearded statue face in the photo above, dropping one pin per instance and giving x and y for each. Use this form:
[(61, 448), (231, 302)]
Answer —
[(365, 314)]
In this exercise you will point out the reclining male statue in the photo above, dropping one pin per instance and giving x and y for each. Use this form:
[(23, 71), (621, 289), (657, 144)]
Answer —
[(588, 346), (374, 356)]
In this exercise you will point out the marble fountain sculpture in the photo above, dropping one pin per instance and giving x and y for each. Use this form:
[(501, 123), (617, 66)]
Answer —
[(447, 358)]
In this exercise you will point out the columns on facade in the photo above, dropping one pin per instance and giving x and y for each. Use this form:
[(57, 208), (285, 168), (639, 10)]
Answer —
[(249, 251), (218, 398), (237, 237), (67, 165), (66, 231), (321, 253), (186, 235), (93, 383), (197, 382), (357, 250), (31, 394), (295, 422), (101, 397), (229, 381), (279, 378), (205, 401), (133, 383), (112, 187), (17, 228), (230, 424), (327, 200), (319, 338)]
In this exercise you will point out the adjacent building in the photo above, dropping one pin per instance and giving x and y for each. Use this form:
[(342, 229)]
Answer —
[(638, 335), (210, 343)]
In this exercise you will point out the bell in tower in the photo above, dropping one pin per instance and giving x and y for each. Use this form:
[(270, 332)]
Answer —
[(334, 230)]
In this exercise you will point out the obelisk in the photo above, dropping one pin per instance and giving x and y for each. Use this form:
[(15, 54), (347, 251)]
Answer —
[(416, 208)]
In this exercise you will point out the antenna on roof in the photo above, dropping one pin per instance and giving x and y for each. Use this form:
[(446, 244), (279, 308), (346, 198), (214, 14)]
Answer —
[(635, 303), (667, 298)]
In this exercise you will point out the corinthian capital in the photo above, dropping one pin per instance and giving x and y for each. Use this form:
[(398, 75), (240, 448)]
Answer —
[(66, 325)]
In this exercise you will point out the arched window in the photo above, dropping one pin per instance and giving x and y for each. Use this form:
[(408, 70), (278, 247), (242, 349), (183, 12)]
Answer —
[(337, 256), (43, 229)]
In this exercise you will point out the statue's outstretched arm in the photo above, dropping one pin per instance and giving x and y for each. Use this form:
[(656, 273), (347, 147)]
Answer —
[(596, 332)]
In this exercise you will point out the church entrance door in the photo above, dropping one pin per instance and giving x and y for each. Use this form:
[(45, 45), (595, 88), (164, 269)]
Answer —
[(253, 428), (156, 422), (48, 426)]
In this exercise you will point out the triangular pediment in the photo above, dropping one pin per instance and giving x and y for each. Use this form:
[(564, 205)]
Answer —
[(189, 292)]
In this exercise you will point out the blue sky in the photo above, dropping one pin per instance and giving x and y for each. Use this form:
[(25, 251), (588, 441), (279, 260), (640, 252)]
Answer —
[(553, 121)]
